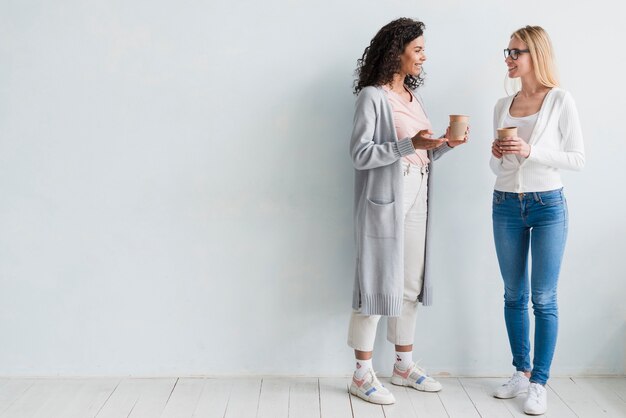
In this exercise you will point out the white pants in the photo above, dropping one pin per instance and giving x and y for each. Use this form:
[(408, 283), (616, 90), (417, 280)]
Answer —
[(401, 329)]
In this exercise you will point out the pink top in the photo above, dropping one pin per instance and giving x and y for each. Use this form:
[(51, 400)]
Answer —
[(409, 118)]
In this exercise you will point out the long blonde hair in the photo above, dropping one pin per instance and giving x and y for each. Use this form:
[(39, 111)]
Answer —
[(541, 52)]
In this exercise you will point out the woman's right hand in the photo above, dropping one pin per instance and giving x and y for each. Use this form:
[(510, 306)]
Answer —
[(495, 149), (423, 140)]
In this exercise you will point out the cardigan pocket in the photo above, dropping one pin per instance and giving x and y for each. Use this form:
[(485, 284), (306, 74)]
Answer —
[(380, 219)]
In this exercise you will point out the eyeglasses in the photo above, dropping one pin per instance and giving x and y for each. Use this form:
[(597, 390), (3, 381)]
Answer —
[(514, 53)]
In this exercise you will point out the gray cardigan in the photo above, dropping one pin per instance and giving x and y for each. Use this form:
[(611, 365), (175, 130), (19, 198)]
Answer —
[(379, 225)]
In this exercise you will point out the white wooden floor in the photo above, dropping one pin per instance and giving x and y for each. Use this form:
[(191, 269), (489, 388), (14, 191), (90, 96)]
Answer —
[(291, 397)]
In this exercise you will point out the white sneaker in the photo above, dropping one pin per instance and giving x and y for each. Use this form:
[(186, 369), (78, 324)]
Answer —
[(537, 401), (414, 377), (371, 390), (517, 384)]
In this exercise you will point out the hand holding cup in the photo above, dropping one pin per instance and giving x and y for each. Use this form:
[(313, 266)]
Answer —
[(458, 131), (509, 143)]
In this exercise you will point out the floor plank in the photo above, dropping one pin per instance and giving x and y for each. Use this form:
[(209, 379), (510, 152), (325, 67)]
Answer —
[(403, 408), (12, 390), (122, 400), (618, 385), (455, 400), (335, 398), (274, 398), (576, 399), (64, 392), (557, 408), (153, 397), (244, 398), (80, 398), (427, 404), (602, 392), (184, 399), (33, 399), (480, 391), (214, 398), (304, 398), (92, 399)]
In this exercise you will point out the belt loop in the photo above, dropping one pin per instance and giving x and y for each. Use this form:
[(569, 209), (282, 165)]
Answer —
[(536, 196), (423, 169)]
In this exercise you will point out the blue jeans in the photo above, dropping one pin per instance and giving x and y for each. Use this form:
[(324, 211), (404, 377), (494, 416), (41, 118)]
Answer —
[(539, 221)]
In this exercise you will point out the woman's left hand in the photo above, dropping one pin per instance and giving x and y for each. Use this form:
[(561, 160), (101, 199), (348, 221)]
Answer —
[(512, 145), (452, 142)]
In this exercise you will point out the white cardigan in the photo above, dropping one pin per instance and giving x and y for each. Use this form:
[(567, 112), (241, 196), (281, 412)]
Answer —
[(556, 142)]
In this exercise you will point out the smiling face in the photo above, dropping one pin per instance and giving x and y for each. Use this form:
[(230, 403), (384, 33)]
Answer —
[(523, 65), (413, 57)]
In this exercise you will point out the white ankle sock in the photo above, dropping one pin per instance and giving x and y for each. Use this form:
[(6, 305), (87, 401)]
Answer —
[(404, 359), (362, 366)]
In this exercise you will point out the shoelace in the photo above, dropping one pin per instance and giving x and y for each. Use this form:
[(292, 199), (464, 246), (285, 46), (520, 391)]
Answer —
[(419, 369), (513, 380), (375, 382), (535, 391)]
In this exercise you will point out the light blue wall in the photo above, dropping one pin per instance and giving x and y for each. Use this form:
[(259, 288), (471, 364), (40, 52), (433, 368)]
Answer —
[(175, 187)]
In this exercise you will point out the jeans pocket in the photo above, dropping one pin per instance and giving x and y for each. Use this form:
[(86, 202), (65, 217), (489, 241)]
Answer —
[(498, 197), (380, 219), (551, 198)]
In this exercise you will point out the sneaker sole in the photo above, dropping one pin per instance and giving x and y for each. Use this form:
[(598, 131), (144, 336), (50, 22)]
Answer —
[(515, 395), (535, 413), (361, 395), (399, 381)]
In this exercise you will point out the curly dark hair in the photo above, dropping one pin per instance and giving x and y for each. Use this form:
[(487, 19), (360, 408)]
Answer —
[(381, 59)]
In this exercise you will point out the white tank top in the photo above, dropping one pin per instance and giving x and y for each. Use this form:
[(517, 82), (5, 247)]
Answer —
[(524, 125)]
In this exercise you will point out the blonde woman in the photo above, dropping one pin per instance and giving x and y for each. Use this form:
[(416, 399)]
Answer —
[(529, 206)]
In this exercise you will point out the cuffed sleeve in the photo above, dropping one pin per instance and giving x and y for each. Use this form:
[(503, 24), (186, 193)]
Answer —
[(436, 153), (405, 147)]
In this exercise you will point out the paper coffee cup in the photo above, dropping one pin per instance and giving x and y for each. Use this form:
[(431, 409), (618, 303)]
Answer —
[(505, 132), (458, 126)]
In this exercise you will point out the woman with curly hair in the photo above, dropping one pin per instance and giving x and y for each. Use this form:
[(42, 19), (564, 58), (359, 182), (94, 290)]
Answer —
[(392, 150), (529, 207)]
